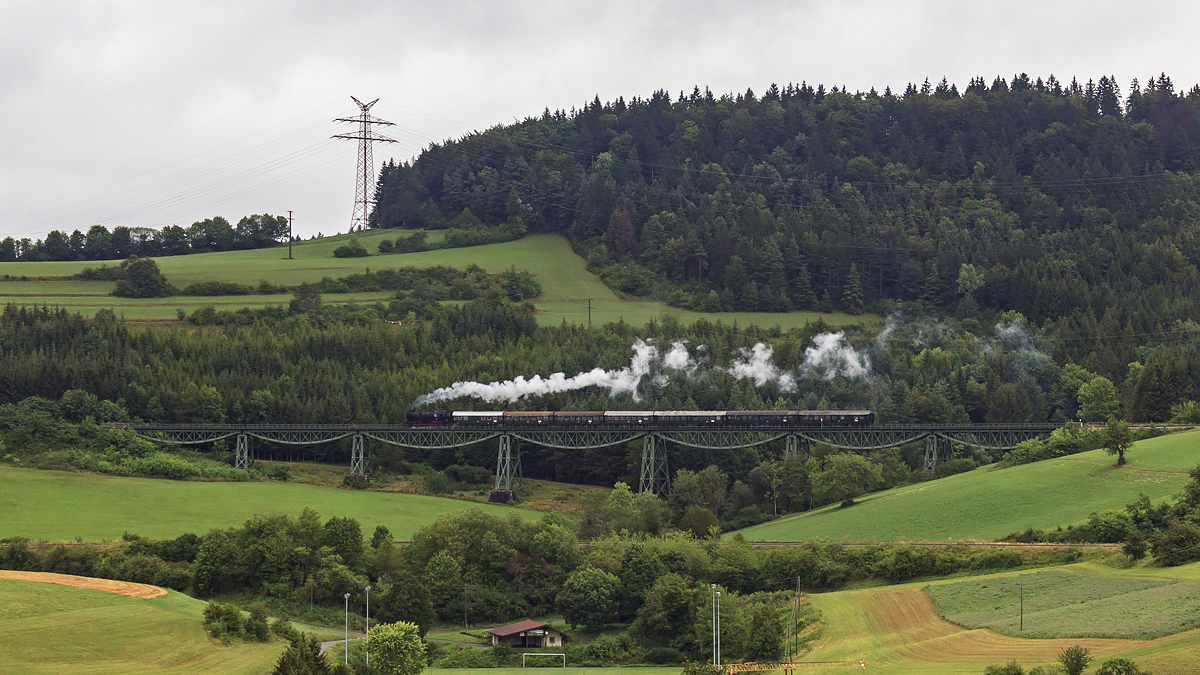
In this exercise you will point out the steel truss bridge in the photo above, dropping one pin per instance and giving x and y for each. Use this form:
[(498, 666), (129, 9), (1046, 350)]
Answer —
[(656, 439)]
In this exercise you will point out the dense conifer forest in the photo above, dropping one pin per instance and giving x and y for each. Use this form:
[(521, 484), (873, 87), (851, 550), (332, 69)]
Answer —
[(1070, 203)]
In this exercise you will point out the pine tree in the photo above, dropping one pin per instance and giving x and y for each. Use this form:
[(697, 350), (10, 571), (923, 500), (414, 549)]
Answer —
[(802, 289), (852, 294), (932, 294)]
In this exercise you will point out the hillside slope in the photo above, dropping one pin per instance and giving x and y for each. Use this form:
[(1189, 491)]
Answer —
[(51, 630), (60, 506), (566, 282), (989, 502)]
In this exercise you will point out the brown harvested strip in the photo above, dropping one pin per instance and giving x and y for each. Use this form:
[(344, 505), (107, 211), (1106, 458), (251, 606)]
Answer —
[(126, 588)]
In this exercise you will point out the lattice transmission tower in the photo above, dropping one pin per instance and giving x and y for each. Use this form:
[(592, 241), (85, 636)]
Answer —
[(364, 189)]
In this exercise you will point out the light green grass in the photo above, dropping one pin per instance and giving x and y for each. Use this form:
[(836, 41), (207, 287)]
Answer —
[(566, 282), (50, 629), (989, 503), (1064, 603), (60, 506)]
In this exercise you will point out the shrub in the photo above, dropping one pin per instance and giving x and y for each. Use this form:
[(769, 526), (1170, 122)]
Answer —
[(437, 483), (664, 656), (386, 246), (698, 520), (996, 559), (1119, 666), (1177, 545), (468, 474), (954, 466), (353, 249)]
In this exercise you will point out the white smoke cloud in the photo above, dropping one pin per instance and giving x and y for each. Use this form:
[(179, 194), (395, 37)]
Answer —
[(829, 358), (647, 362), (755, 364), (623, 381), (889, 327)]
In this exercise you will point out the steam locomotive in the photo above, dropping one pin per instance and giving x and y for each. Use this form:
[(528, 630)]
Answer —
[(715, 418)]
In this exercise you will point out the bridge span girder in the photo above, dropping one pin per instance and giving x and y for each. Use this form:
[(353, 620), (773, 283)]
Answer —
[(655, 472)]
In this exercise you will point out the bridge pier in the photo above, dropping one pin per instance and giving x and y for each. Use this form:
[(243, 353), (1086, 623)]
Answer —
[(937, 449), (508, 464), (794, 445), (359, 457), (242, 455), (656, 474)]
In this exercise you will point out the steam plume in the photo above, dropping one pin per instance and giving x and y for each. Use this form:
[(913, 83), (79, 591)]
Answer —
[(829, 358)]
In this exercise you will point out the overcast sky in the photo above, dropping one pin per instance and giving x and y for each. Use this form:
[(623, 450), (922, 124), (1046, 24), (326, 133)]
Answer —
[(153, 113)]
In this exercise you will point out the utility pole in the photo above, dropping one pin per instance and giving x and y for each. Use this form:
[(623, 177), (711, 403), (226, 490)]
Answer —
[(1022, 607), (465, 625), (364, 189), (289, 235), (718, 628), (714, 623), (589, 313)]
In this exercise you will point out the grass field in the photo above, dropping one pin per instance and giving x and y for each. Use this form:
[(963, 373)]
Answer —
[(1066, 603), (989, 503), (567, 284), (897, 630), (55, 630), (60, 506)]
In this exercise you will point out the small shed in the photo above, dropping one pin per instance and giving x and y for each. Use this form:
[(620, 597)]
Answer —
[(526, 635)]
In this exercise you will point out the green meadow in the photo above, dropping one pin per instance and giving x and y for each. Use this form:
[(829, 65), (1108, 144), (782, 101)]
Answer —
[(55, 630), (60, 506), (567, 284), (991, 502)]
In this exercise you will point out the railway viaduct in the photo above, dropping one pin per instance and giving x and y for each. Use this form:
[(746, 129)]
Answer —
[(656, 439)]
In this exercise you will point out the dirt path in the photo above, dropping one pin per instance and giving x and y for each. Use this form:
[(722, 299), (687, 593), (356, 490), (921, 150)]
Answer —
[(326, 645), (126, 588)]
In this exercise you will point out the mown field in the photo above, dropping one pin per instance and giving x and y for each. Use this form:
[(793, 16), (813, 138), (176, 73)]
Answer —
[(897, 630), (567, 284), (1069, 603), (55, 630), (991, 502), (60, 506)]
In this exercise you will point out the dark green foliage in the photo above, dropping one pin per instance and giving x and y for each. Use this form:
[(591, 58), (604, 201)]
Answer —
[(1010, 668), (954, 466), (303, 657), (664, 656), (1074, 660), (142, 279), (353, 249), (1117, 439), (698, 520), (256, 627), (468, 474), (224, 621), (589, 598), (344, 536), (1178, 544), (765, 640), (381, 538), (1120, 666), (408, 599)]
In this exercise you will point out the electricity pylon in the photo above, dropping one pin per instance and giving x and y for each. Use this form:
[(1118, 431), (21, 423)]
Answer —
[(364, 189)]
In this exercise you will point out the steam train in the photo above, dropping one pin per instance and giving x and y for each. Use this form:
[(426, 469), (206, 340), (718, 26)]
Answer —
[(715, 418)]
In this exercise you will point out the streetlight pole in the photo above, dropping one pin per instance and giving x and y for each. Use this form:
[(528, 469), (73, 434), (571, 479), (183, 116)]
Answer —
[(367, 645), (347, 641), (718, 628), (714, 623)]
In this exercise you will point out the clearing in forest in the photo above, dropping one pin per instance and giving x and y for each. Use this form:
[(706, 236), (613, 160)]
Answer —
[(991, 502), (566, 282)]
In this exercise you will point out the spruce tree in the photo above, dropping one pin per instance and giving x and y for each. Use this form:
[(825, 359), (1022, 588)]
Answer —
[(852, 294), (932, 293), (803, 292)]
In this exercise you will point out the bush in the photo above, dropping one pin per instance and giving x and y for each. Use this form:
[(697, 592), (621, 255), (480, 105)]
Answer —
[(954, 466), (210, 288), (698, 520), (468, 474), (1179, 544), (437, 483), (386, 246), (353, 249), (664, 656), (996, 559)]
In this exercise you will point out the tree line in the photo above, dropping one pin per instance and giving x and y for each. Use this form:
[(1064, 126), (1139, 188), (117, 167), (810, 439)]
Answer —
[(98, 243)]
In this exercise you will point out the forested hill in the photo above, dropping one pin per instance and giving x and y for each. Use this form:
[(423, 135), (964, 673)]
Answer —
[(1074, 204)]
